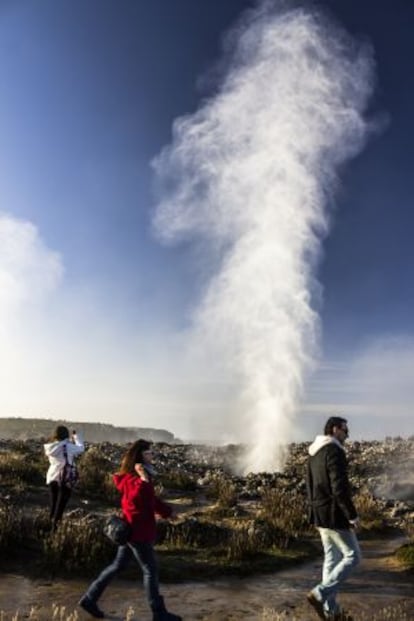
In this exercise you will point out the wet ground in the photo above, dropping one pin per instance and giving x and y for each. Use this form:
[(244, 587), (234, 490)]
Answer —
[(377, 584)]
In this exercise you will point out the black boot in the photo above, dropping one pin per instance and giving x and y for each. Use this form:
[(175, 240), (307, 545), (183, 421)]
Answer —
[(162, 614), (91, 607)]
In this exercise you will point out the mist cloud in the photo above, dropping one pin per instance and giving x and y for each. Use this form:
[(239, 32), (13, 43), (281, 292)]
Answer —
[(61, 353), (28, 269)]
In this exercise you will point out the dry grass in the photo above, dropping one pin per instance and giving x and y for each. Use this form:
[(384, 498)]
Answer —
[(194, 533), (224, 492), (397, 612), (56, 613), (286, 513), (96, 476), (177, 480), (405, 554), (370, 510), (19, 468), (19, 530), (77, 546)]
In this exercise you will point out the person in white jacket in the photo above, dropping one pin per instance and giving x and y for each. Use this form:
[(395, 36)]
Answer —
[(60, 450)]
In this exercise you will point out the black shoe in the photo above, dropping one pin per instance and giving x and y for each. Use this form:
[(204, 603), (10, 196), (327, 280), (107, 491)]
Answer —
[(90, 606), (316, 605), (160, 613)]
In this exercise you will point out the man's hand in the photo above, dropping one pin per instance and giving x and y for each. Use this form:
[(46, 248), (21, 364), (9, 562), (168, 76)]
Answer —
[(355, 524)]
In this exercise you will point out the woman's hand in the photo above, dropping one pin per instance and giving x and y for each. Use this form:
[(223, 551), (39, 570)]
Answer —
[(141, 472)]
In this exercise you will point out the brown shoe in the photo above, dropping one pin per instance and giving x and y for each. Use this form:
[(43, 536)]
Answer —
[(316, 605)]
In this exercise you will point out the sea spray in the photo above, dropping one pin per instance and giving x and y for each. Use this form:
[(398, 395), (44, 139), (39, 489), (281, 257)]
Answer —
[(251, 174)]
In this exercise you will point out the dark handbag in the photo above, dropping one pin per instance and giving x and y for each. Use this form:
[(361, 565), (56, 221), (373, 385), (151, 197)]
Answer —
[(117, 529), (69, 475)]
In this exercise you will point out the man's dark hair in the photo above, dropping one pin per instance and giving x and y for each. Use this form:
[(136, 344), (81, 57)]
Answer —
[(334, 421)]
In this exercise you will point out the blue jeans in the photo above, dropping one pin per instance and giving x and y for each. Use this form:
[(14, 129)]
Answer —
[(341, 555), (145, 557)]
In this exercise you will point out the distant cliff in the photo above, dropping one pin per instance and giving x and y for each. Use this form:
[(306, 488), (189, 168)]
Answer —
[(26, 428)]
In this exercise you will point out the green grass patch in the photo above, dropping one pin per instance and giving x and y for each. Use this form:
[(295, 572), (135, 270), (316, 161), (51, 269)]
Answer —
[(182, 564), (405, 555)]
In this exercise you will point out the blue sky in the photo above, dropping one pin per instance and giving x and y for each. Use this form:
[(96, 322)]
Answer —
[(94, 304)]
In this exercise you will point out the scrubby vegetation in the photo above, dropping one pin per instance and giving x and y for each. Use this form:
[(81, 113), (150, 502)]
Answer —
[(216, 530), (371, 511), (21, 466), (228, 524), (405, 554), (96, 475)]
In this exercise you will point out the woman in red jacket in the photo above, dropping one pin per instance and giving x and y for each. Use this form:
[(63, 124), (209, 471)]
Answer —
[(139, 506)]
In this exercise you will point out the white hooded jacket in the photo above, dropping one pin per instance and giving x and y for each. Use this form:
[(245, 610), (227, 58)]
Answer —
[(54, 452), (321, 441)]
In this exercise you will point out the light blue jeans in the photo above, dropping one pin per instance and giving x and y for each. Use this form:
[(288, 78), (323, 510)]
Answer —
[(341, 555)]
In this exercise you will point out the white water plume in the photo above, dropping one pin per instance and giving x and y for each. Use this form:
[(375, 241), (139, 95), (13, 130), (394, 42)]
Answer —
[(251, 173)]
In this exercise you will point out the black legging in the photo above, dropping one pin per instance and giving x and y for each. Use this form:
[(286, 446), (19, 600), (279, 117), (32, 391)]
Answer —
[(59, 496)]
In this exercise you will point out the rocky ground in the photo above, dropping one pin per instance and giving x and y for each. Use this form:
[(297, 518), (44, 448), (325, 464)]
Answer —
[(190, 476), (385, 469)]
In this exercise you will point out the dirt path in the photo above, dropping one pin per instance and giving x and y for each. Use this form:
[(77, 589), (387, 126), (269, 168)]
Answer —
[(377, 584)]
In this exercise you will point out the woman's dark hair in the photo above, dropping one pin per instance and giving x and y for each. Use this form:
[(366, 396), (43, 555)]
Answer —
[(60, 433), (334, 421), (134, 456)]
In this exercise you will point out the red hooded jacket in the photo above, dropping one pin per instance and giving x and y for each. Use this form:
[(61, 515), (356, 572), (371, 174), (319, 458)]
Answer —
[(139, 505)]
